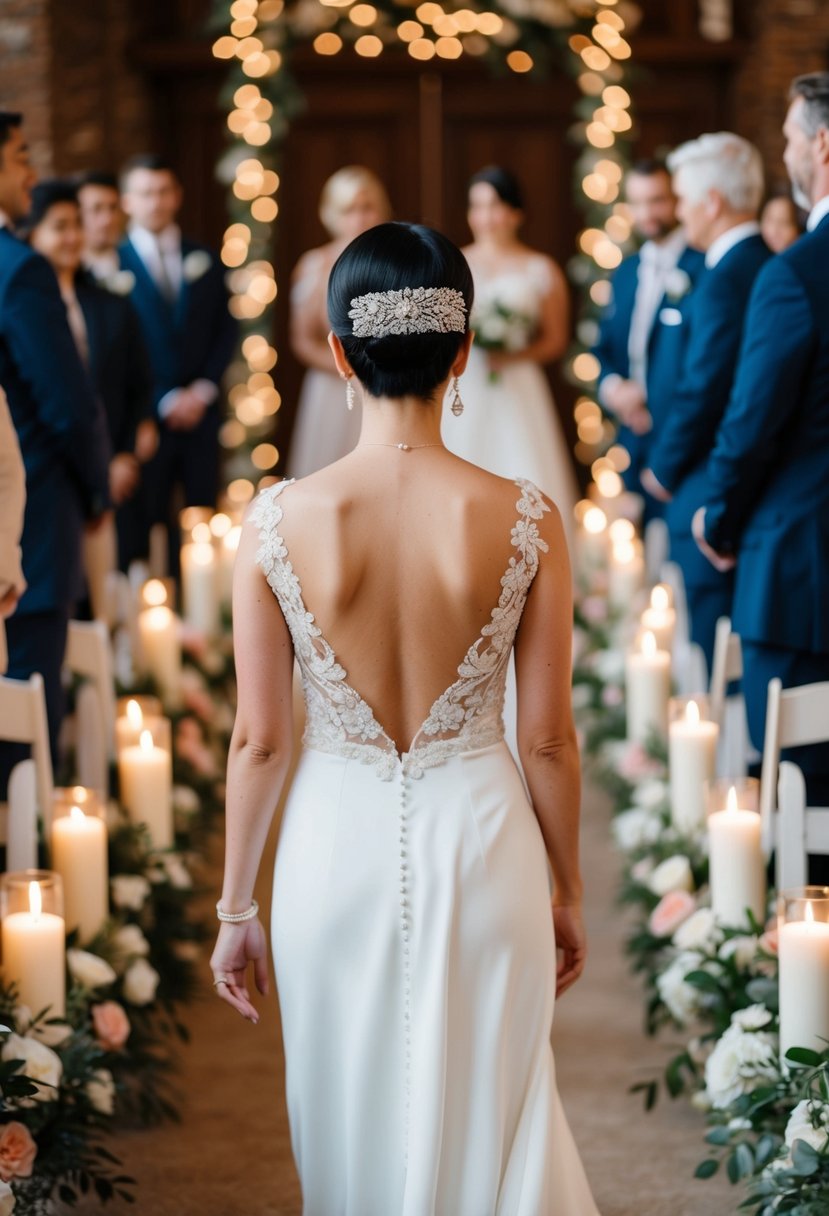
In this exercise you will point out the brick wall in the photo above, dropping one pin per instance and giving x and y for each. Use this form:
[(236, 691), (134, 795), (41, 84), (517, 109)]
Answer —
[(25, 65)]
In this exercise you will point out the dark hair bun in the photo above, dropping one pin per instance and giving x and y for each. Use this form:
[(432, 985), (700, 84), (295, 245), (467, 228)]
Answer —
[(504, 183), (388, 258)]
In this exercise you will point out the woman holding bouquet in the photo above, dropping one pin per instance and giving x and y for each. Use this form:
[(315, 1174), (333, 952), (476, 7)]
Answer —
[(521, 320)]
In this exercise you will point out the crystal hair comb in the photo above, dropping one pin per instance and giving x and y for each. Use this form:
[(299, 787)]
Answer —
[(414, 310)]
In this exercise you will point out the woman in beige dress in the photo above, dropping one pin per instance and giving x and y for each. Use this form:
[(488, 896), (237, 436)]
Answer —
[(12, 503)]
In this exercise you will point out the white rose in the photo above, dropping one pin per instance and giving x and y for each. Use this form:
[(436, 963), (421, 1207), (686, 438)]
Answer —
[(742, 949), (185, 800), (196, 264), (88, 969), (673, 874), (700, 1101), (635, 828), (130, 941), (641, 870), (801, 1125), (177, 873), (651, 794), (121, 282), (677, 283), (582, 696), (697, 932), (609, 666), (100, 1089), (129, 891), (140, 983), (53, 1034), (738, 1062), (755, 1017), (6, 1199), (40, 1063), (682, 1000)]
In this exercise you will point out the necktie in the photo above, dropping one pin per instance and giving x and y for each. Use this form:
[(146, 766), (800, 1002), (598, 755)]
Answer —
[(77, 325), (163, 280)]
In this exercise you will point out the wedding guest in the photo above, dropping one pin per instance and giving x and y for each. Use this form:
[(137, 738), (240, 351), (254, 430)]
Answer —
[(12, 503), (642, 335), (766, 512), (718, 180), (108, 337), (352, 201), (103, 224), (62, 434), (780, 223), (182, 304)]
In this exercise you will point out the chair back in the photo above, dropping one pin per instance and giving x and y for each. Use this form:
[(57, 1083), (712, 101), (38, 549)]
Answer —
[(657, 546), (801, 829), (89, 655), (23, 720), (20, 826), (795, 717)]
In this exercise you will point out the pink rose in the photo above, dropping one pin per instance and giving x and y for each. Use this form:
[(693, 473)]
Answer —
[(635, 763), (111, 1025), (594, 608), (612, 696), (17, 1151), (197, 700), (769, 940), (193, 641), (670, 912)]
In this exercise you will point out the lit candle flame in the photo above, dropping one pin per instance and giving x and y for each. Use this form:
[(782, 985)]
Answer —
[(202, 534), (134, 715), (623, 552), (35, 899), (692, 713), (154, 592), (158, 618), (76, 814), (203, 554), (731, 800), (810, 912), (146, 741), (231, 541), (595, 521), (659, 598), (649, 643), (621, 530), (220, 524)]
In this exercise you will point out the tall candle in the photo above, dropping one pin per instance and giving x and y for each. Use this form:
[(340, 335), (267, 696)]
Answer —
[(130, 726), (158, 632), (79, 855), (227, 561), (648, 688), (199, 587), (626, 575), (737, 869), (34, 955), (146, 778), (692, 755), (592, 542), (660, 618), (803, 951)]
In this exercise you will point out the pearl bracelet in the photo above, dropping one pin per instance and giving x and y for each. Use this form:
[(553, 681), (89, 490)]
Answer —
[(236, 918)]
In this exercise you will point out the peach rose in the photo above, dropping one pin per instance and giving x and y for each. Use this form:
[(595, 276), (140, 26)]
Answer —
[(17, 1151), (671, 911), (111, 1025), (769, 940)]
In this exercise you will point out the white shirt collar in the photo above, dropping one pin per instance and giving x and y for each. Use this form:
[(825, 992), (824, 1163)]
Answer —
[(5, 222), (169, 239), (726, 241), (818, 212), (102, 265), (666, 252)]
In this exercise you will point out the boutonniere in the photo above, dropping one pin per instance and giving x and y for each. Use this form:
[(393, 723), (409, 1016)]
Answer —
[(120, 283), (195, 265), (677, 284)]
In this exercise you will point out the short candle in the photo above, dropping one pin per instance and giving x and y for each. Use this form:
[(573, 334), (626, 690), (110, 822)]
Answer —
[(692, 756), (648, 689), (34, 955), (737, 868), (79, 855), (146, 778), (803, 951)]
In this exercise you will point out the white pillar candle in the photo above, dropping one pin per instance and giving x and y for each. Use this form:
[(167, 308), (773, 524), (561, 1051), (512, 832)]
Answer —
[(648, 688), (146, 778), (626, 575), (692, 756), (79, 855), (227, 561), (736, 866), (34, 956), (803, 951), (199, 582), (592, 540), (158, 632), (660, 618)]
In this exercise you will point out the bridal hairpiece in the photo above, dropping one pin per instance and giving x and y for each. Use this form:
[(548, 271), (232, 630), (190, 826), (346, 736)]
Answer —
[(414, 310)]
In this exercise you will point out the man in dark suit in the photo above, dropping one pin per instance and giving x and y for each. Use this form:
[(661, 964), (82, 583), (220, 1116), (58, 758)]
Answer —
[(718, 180), (182, 302), (642, 334), (62, 433), (767, 508)]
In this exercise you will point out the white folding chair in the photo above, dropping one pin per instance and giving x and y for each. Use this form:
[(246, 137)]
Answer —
[(689, 667), (735, 749), (801, 830), (795, 717), (18, 819), (23, 720), (657, 545), (89, 655)]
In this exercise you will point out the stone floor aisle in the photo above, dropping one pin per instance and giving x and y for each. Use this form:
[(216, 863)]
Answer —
[(231, 1155)]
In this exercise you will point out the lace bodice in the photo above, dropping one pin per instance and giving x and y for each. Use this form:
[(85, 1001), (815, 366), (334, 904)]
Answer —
[(467, 716)]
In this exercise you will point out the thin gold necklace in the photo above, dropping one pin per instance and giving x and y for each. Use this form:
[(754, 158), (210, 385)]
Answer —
[(403, 447)]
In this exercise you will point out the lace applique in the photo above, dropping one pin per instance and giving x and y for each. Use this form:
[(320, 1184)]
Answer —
[(467, 716)]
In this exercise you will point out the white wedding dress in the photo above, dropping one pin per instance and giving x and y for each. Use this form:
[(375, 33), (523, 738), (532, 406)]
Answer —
[(413, 939), (510, 425)]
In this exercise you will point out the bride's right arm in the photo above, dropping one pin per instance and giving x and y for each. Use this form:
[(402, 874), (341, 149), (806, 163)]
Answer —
[(308, 323), (262, 740)]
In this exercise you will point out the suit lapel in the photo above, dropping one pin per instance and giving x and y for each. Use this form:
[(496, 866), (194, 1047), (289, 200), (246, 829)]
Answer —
[(132, 260), (94, 321)]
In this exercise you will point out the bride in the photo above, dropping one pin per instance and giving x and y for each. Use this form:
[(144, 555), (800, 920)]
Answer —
[(521, 321), (413, 930)]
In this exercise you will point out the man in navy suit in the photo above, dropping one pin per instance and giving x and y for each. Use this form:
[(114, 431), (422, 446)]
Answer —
[(718, 180), (62, 433), (767, 508), (642, 335), (182, 303)]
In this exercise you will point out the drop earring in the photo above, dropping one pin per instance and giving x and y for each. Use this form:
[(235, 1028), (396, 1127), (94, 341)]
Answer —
[(350, 395), (457, 403)]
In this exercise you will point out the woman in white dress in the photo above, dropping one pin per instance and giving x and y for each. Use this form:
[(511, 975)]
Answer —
[(352, 200), (413, 929), (521, 321)]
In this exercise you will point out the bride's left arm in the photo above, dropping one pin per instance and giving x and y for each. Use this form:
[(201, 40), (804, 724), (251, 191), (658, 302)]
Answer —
[(553, 334)]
